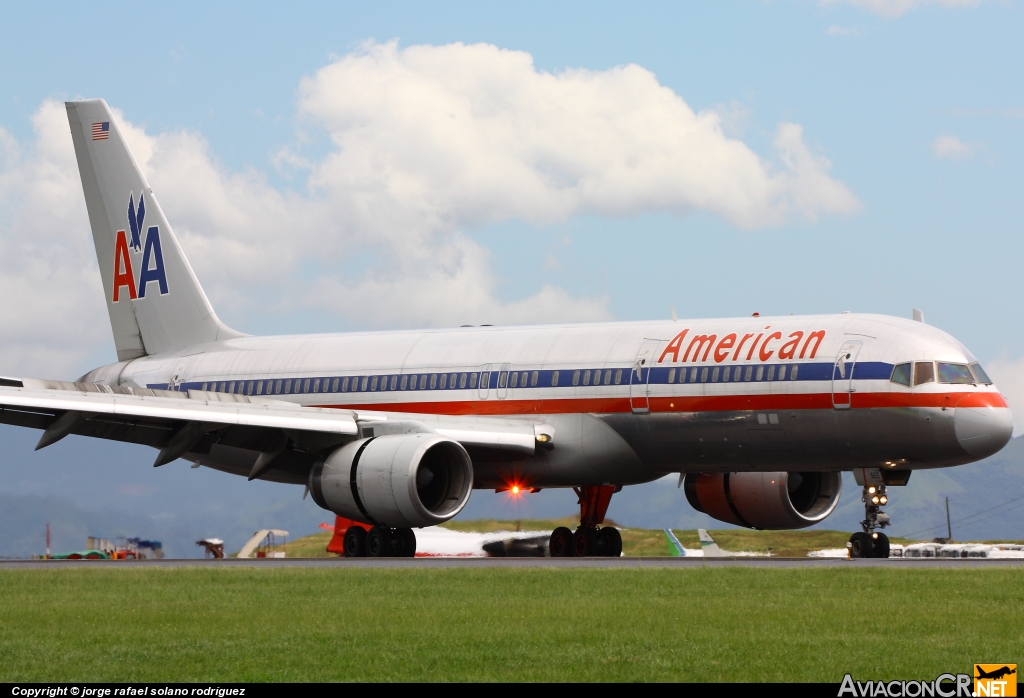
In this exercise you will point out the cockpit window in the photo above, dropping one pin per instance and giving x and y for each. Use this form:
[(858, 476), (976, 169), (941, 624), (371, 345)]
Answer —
[(924, 372), (955, 373), (901, 374), (980, 374)]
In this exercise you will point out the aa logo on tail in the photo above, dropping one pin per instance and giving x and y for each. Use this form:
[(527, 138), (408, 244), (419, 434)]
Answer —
[(152, 269)]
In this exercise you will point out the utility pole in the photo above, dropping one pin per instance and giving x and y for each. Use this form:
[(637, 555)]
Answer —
[(949, 529), (47, 539)]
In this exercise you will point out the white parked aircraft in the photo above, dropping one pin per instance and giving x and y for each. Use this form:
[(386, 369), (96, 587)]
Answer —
[(759, 415)]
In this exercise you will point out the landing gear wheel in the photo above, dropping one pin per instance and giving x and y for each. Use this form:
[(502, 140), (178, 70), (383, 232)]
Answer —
[(872, 542), (355, 541), (881, 545), (378, 542), (560, 544), (861, 545), (611, 541), (585, 542), (403, 542)]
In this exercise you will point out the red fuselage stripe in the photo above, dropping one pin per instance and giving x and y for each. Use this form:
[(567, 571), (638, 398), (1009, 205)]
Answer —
[(711, 403)]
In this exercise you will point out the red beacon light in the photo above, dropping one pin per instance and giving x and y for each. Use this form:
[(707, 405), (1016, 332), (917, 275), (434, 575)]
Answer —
[(516, 490)]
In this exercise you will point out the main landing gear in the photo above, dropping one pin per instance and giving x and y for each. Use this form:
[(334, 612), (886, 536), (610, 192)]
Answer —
[(589, 540), (869, 542), (380, 541)]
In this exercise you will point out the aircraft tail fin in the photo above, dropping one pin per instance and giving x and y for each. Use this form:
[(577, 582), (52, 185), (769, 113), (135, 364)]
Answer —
[(675, 548), (154, 300), (708, 544)]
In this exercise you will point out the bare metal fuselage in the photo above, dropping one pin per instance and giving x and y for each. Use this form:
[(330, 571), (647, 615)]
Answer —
[(626, 402)]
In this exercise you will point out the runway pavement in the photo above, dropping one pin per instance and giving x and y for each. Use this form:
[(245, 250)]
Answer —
[(681, 563)]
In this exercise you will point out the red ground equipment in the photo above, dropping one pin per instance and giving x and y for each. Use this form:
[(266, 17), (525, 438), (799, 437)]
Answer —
[(341, 526)]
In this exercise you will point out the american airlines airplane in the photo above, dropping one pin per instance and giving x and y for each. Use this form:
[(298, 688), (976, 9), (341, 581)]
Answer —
[(759, 416)]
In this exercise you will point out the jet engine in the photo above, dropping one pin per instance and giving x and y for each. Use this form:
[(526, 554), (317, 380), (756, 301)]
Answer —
[(765, 500), (401, 481)]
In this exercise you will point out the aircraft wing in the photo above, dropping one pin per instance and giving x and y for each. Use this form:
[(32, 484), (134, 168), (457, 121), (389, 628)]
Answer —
[(152, 417), (176, 423)]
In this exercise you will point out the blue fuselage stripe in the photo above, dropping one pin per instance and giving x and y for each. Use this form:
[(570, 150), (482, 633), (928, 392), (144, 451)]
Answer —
[(540, 379)]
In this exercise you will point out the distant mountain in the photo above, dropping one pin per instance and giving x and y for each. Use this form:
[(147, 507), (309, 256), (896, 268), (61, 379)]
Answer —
[(88, 487), (23, 520)]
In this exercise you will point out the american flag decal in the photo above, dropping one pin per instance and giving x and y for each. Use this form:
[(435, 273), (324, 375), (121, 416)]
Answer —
[(100, 130)]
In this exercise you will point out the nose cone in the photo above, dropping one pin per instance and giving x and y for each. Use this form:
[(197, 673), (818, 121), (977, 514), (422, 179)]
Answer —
[(982, 429)]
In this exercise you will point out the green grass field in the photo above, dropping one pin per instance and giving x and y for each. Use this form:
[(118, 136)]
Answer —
[(734, 624)]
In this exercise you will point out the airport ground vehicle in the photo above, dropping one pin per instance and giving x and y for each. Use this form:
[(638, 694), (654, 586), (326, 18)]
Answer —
[(758, 415)]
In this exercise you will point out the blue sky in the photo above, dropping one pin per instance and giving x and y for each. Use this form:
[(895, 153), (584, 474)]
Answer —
[(936, 223)]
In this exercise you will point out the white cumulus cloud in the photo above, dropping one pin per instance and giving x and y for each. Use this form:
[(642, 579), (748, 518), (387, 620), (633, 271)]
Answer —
[(467, 135), (897, 8), (425, 145), (47, 260), (951, 147)]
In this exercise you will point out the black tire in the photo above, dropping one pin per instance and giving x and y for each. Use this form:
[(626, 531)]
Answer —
[(585, 542), (355, 541), (560, 544), (881, 546), (611, 541), (861, 545), (403, 541), (378, 542)]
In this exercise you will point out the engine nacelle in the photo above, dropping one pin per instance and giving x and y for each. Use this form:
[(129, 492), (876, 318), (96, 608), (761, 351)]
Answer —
[(402, 481), (765, 500)]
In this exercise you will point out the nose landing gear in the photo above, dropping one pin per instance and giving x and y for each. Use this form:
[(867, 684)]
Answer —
[(589, 539), (871, 542)]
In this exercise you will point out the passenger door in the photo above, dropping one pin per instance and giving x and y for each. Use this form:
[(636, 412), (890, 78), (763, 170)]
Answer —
[(842, 374), (640, 375), (184, 370)]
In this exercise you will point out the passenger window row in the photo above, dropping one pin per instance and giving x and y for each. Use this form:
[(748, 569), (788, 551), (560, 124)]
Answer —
[(417, 381), (599, 379), (921, 372), (735, 374), (503, 380), (346, 384)]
